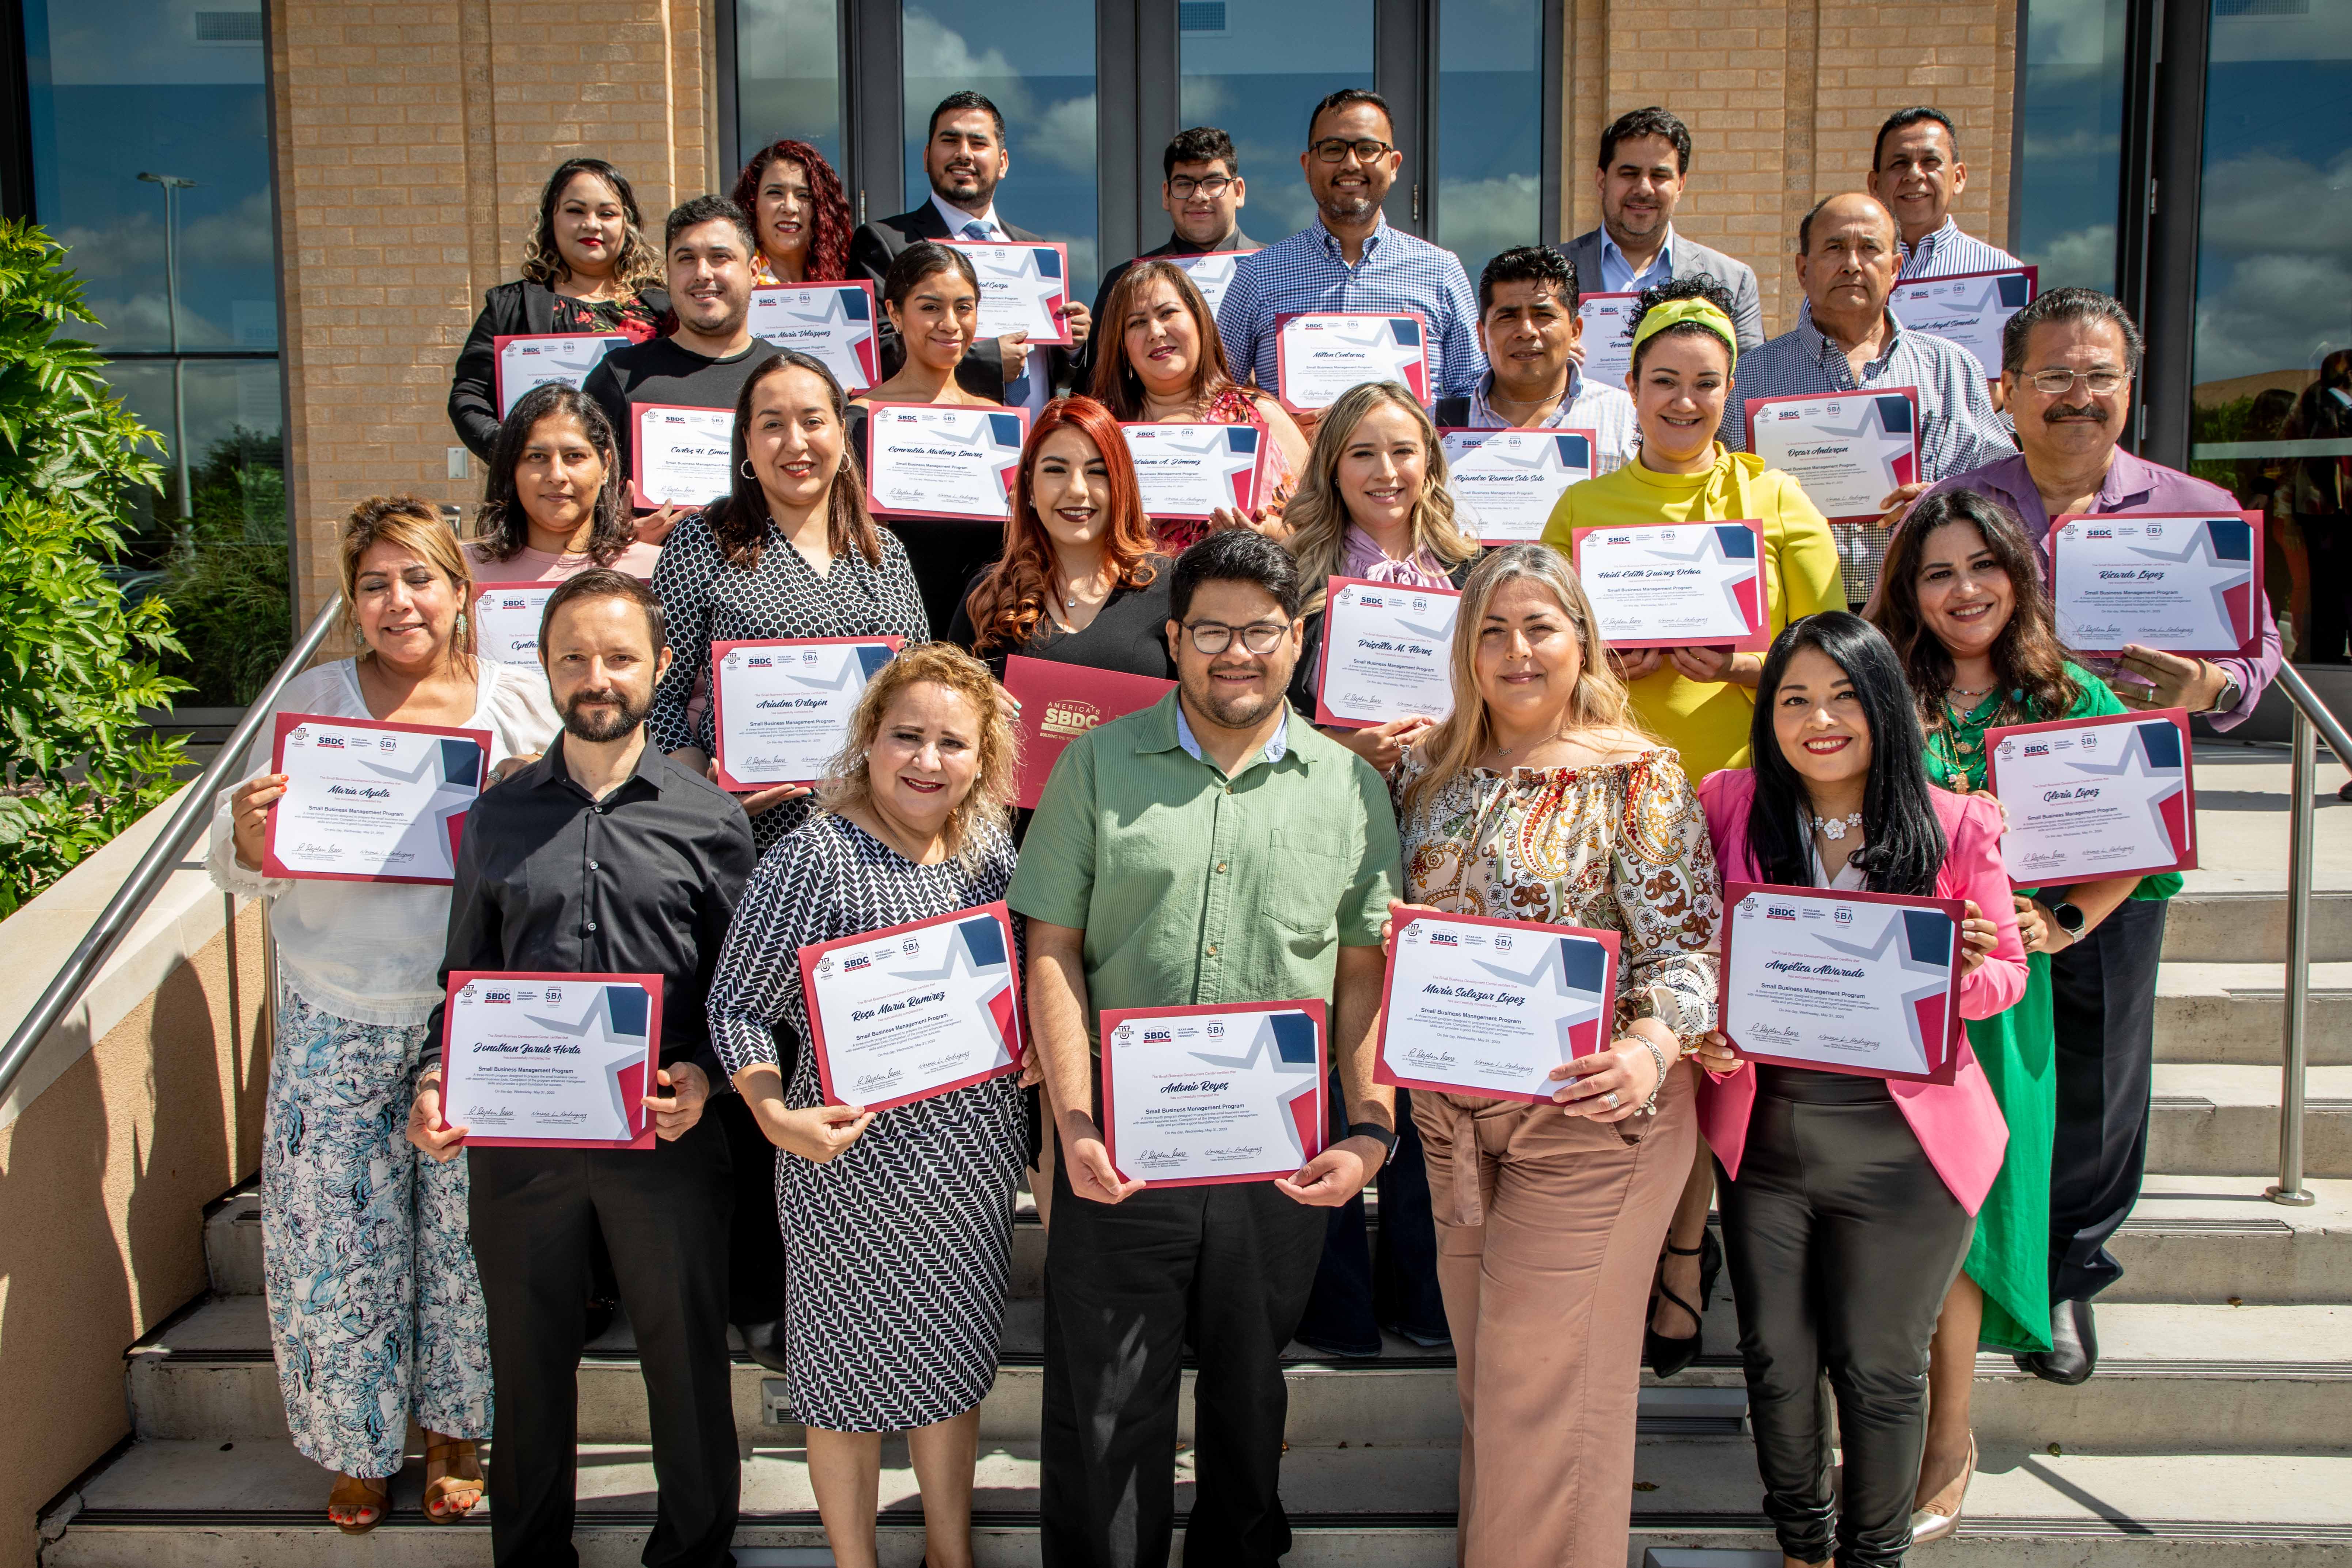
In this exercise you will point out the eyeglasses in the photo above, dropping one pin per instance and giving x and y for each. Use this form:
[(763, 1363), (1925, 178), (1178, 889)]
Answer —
[(1259, 637), (2054, 383), (1335, 151), (1183, 186)]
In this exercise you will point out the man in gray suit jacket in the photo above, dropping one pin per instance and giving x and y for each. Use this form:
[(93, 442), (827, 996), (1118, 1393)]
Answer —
[(1644, 162)]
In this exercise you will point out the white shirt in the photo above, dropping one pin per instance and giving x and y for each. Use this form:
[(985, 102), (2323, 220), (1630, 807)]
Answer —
[(1022, 391), (369, 952)]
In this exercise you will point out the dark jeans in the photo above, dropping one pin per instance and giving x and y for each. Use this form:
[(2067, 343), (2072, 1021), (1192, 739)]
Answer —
[(664, 1216), (1361, 1288), (1227, 1268), (2103, 1003), (1840, 1240)]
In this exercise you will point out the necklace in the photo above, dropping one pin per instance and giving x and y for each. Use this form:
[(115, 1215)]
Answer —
[(1979, 691), (1833, 829)]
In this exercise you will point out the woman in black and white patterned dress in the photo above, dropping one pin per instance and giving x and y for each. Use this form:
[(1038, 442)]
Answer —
[(898, 1224), (790, 552)]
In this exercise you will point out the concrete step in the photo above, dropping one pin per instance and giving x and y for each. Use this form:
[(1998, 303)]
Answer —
[(2234, 1014), (260, 1505), (2224, 1121), (2217, 1241), (2204, 927), (2246, 1378)]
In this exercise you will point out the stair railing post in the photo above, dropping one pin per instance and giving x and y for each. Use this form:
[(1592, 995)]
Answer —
[(2300, 826)]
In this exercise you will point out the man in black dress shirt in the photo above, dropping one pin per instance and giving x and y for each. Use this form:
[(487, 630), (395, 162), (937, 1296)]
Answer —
[(1202, 191), (605, 857)]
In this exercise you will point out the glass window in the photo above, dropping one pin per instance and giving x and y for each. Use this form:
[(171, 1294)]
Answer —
[(1047, 101), (2071, 102), (788, 75), (1489, 128), (2273, 399), (1255, 70)]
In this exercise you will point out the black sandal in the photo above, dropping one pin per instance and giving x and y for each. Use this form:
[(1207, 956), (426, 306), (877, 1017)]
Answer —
[(1668, 1354)]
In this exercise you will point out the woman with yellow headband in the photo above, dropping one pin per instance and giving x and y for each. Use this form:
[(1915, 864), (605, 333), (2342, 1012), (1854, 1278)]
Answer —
[(1699, 700)]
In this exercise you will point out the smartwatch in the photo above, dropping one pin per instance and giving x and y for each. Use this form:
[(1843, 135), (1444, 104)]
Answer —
[(2070, 919), (1379, 1134)]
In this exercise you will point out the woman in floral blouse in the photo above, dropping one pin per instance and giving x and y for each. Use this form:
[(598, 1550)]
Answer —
[(1538, 800)]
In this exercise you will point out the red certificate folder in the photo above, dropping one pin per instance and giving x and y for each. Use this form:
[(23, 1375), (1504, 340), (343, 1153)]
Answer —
[(1526, 941), (1059, 702), (2234, 536), (632, 1082), (2155, 741), (1311, 1113), (983, 940), (1941, 922), (456, 763)]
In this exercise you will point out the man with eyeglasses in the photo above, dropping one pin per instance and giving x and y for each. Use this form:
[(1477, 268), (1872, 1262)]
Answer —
[(1645, 163), (1203, 193), (1206, 850), (2068, 361), (1350, 259)]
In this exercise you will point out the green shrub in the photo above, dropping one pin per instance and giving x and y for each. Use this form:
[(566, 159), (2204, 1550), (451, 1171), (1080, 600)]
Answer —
[(226, 580), (76, 763)]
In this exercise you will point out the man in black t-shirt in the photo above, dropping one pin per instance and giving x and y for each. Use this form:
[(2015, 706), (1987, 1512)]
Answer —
[(708, 252)]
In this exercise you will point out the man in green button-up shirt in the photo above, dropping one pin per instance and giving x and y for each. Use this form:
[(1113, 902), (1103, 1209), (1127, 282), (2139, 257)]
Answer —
[(1206, 850)]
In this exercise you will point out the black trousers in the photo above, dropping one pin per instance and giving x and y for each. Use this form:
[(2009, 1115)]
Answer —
[(1360, 1289), (755, 1246), (2103, 1002), (664, 1216), (1127, 1286), (1841, 1241)]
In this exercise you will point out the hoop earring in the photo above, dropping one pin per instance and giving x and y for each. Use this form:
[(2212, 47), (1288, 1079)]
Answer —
[(746, 471)]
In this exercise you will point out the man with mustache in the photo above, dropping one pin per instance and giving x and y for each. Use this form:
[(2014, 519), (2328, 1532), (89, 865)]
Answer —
[(965, 157), (2068, 361), (605, 857), (1644, 164)]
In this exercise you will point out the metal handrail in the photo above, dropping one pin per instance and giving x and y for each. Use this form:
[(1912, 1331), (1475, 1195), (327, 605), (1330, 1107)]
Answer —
[(2312, 720), (131, 899)]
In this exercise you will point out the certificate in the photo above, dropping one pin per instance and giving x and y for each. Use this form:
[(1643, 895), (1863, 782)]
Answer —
[(943, 460), (1059, 702), (1851, 983), (2186, 582), (680, 456), (914, 1010), (1192, 470), (1196, 1096), (371, 801), (525, 360), (1388, 653), (1024, 284), (1608, 336), (505, 621), (782, 706), (1846, 452), (1970, 307), (2089, 798), (1512, 479), (1678, 585), (833, 322), (1212, 273), (551, 1061), (1489, 1007), (1319, 356)]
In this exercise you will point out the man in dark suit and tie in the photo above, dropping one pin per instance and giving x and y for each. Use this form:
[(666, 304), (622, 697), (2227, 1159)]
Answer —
[(965, 158)]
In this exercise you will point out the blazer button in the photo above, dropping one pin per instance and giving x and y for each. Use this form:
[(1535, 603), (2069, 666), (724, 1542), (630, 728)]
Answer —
[(592, 925)]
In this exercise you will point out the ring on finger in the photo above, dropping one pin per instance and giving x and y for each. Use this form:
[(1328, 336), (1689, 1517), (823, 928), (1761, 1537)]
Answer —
[(1609, 1100)]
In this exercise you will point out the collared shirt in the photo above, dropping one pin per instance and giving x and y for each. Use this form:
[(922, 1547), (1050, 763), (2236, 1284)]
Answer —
[(1308, 272), (1022, 391), (1194, 888), (1617, 274), (1950, 250), (2133, 484), (642, 882), (1958, 427), (1606, 411), (961, 223), (1278, 746)]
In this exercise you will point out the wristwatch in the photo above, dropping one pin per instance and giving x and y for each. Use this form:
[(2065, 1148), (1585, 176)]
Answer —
[(2070, 919), (1378, 1134)]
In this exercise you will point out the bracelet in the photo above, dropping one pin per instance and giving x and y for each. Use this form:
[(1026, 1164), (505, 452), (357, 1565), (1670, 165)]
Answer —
[(1650, 1105)]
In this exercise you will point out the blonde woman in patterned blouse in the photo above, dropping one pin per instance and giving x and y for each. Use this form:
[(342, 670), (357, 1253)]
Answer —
[(1539, 800)]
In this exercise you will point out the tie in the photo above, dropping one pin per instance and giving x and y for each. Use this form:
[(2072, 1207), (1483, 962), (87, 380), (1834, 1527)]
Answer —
[(979, 228)]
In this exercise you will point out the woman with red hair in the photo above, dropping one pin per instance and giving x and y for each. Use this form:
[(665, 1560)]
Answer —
[(1078, 582), (799, 214)]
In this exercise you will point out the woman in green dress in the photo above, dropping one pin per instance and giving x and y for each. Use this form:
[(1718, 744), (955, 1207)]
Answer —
[(1963, 604)]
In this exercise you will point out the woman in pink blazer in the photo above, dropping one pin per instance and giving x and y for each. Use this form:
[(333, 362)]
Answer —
[(1848, 1201)]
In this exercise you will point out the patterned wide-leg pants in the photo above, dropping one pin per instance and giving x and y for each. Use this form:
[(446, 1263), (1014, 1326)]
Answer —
[(375, 1312)]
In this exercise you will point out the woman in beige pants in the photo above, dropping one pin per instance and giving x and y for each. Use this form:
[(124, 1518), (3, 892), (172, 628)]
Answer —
[(1538, 800)]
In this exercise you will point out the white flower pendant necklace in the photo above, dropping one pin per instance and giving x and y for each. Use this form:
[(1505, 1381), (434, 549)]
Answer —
[(1833, 829)]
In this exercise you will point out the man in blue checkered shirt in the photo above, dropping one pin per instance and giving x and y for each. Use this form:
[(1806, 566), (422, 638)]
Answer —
[(1350, 259)]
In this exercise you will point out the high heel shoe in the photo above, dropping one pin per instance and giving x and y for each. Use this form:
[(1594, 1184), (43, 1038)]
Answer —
[(1668, 1354), (1941, 1515)]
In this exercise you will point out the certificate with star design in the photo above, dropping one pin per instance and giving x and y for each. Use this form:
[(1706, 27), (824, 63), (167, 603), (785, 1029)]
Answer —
[(943, 460), (1198, 1096), (2185, 583), (371, 801), (1676, 584), (2091, 798), (912, 1011), (1853, 983), (1212, 273), (1024, 284), (1488, 1007), (833, 322), (1510, 479), (1387, 652), (1321, 355), (781, 706), (1608, 336), (525, 360), (1970, 307), (1847, 451), (551, 1061), (1193, 471)]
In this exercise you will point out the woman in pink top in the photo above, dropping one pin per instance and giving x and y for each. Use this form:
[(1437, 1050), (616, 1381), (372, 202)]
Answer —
[(1848, 1201), (552, 505)]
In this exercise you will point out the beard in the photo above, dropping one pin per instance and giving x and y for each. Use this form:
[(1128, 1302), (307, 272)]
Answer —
[(627, 711), (1233, 711)]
